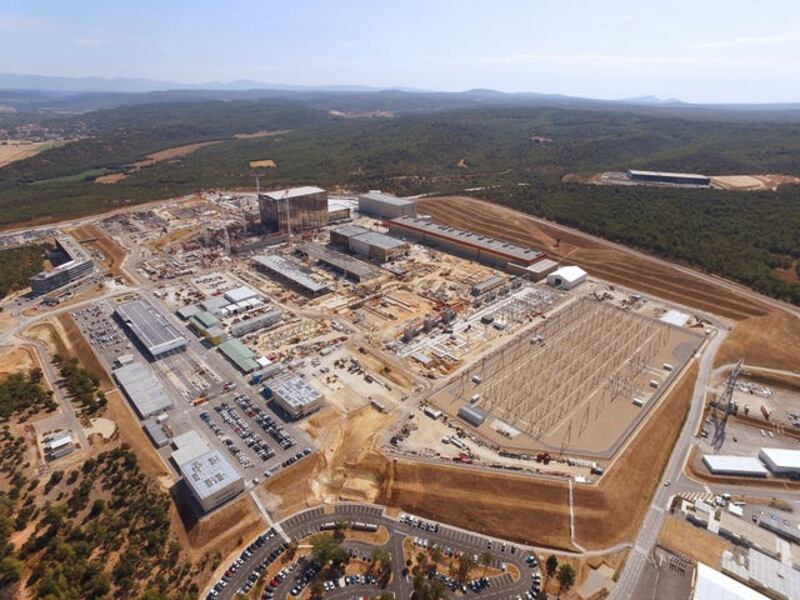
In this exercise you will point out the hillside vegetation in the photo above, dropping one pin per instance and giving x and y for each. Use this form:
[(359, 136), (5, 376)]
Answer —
[(744, 236)]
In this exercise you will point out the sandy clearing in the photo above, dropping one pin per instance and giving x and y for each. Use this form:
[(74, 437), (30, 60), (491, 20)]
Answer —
[(263, 164), (114, 254), (260, 134), (170, 153), (111, 179), (15, 151), (753, 182), (693, 542), (17, 358)]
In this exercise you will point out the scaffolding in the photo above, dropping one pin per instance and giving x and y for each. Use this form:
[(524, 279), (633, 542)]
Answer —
[(568, 370)]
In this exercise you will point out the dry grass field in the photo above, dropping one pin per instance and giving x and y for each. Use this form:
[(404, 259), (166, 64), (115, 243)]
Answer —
[(114, 254), (693, 542), (770, 340)]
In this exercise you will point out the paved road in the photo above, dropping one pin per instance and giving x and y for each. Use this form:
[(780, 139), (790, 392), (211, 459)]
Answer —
[(308, 523), (654, 519)]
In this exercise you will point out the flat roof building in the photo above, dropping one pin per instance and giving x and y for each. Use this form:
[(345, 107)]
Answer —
[(262, 321), (294, 209), (240, 294), (150, 327), (351, 267), (73, 262), (289, 272), (475, 246), (188, 446), (667, 177), (211, 479), (781, 461), (295, 395), (385, 206), (367, 242), (747, 466), (763, 572), (142, 389), (239, 355), (710, 584)]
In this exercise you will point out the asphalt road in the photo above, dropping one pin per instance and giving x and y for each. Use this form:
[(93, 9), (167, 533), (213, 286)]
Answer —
[(308, 523), (654, 519)]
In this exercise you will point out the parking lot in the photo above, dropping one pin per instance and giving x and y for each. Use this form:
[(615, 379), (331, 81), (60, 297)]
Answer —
[(209, 396), (244, 571)]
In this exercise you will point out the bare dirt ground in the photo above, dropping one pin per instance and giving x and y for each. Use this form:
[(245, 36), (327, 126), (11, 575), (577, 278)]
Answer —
[(768, 341), (753, 182), (267, 163), (171, 153), (114, 254), (693, 542), (112, 178), (17, 358), (611, 263)]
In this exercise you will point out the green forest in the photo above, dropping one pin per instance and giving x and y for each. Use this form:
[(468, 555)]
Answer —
[(17, 265), (741, 235)]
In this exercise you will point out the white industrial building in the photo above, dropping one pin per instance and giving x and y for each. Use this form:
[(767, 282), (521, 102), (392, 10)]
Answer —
[(747, 466), (150, 327), (240, 294), (211, 479), (295, 395), (188, 446), (142, 389), (781, 461), (385, 206), (710, 584), (566, 278)]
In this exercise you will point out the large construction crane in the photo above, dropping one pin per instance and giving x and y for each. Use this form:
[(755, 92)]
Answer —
[(725, 406)]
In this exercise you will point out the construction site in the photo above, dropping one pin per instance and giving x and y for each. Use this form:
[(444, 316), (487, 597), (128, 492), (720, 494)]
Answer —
[(577, 382)]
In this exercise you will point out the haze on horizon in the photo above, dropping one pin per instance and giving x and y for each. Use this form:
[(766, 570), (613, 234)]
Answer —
[(714, 51)]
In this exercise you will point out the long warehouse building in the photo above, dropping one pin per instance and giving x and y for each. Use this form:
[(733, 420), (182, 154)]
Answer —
[(289, 271), (671, 178), (475, 246), (150, 327), (71, 263), (142, 389)]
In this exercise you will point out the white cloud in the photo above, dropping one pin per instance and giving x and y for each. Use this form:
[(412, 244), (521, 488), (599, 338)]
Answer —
[(20, 23), (750, 40)]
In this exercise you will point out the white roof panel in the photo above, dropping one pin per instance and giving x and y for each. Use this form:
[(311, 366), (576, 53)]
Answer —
[(720, 463), (571, 273), (783, 457), (240, 294), (714, 585)]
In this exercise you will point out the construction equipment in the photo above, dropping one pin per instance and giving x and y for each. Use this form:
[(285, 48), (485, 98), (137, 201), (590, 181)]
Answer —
[(725, 406)]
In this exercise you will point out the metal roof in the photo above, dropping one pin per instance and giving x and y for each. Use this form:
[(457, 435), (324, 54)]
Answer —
[(667, 174), (150, 326), (142, 389), (714, 585), (484, 243), (379, 240), (240, 294), (339, 260), (350, 230), (720, 463), (379, 196), (294, 192), (239, 354), (540, 266), (209, 473), (294, 390), (188, 446), (291, 271), (783, 458)]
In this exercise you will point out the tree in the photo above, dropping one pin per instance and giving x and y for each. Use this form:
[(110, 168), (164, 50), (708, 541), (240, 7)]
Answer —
[(291, 550), (316, 588), (326, 550), (465, 564), (551, 566), (486, 560), (10, 569), (436, 555), (566, 577)]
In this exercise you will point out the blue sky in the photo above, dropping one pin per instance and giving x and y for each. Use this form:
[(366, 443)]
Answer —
[(705, 50)]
